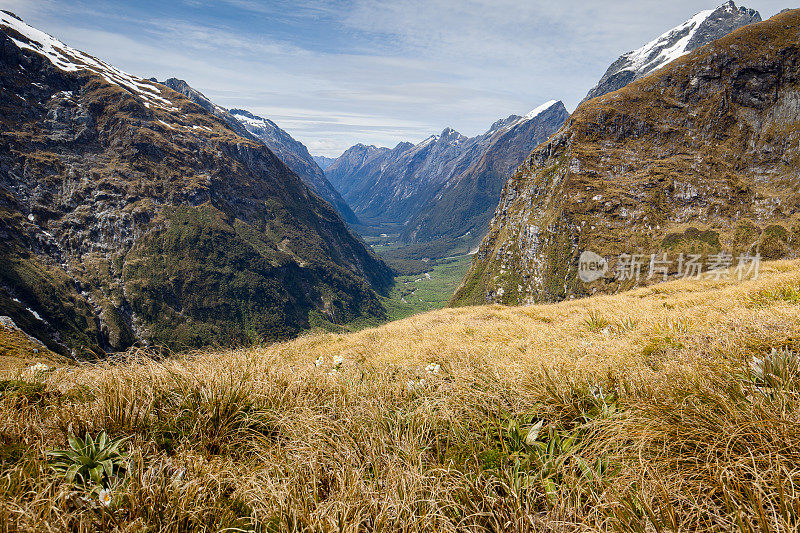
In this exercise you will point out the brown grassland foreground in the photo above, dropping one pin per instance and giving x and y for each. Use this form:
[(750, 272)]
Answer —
[(642, 411)]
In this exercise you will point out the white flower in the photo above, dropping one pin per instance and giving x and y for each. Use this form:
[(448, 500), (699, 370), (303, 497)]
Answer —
[(104, 496), (415, 384), (337, 361), (433, 368), (35, 371), (319, 361)]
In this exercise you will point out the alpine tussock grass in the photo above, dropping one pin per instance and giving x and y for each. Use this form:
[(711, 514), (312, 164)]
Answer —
[(669, 408)]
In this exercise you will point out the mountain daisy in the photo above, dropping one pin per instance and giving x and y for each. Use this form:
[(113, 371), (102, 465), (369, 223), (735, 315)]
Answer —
[(104, 496), (433, 368)]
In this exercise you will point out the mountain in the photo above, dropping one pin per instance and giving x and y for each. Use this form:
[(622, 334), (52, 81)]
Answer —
[(289, 150), (323, 161), (296, 157), (390, 189), (130, 214), (699, 30), (465, 203), (700, 157), (445, 186)]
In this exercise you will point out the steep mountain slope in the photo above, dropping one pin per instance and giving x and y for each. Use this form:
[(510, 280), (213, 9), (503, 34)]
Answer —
[(699, 30), (466, 201), (130, 214), (701, 157), (446, 186), (296, 157), (289, 150), (360, 164)]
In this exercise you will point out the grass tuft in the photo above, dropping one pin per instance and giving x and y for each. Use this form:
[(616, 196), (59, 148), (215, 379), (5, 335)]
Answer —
[(684, 418)]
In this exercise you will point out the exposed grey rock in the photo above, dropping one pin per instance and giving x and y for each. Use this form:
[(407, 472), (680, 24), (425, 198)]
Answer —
[(323, 161)]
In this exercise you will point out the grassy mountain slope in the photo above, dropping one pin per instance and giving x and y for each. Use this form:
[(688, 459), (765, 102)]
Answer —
[(651, 419), (700, 157), (130, 214)]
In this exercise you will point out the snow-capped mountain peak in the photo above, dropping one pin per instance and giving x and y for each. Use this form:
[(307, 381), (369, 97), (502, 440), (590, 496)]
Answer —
[(667, 46), (515, 120), (699, 30), (70, 60), (429, 140), (541, 109)]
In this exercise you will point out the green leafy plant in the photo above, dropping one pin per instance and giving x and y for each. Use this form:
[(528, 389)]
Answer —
[(88, 460), (625, 325), (778, 370), (552, 456)]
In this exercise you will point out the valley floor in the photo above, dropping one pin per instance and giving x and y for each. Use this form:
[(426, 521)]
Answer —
[(428, 291), (670, 408)]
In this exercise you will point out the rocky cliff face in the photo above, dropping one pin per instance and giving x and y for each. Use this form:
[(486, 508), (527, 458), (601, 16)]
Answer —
[(359, 164), (130, 214), (446, 186), (288, 150), (699, 158), (699, 30)]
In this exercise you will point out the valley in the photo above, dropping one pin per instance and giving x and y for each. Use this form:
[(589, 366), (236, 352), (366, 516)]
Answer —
[(427, 291), (274, 308)]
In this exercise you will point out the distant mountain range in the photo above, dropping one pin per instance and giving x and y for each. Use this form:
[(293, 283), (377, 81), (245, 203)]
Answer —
[(296, 157), (443, 188), (464, 205), (699, 158), (132, 214), (323, 161)]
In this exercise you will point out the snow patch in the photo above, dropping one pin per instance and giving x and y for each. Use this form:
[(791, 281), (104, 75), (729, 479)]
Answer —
[(641, 60), (35, 314), (541, 109), (256, 122), (426, 142), (71, 60)]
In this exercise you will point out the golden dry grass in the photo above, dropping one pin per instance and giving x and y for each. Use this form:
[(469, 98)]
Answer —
[(263, 439)]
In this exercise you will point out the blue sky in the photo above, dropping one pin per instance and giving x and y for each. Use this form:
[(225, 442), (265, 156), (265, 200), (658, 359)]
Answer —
[(334, 73)]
